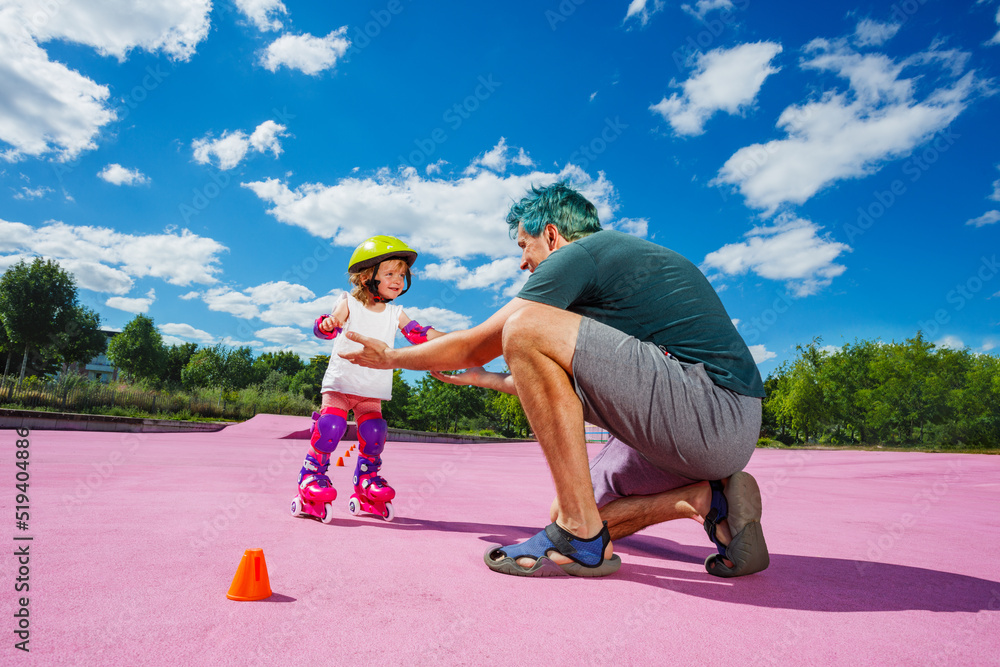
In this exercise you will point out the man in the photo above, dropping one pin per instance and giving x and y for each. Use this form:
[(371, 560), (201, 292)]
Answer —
[(630, 336)]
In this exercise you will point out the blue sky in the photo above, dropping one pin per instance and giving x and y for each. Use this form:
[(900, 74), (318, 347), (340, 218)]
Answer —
[(834, 168)]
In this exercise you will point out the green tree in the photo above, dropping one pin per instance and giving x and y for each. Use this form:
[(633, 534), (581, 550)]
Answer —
[(285, 362), (396, 412), (309, 380), (205, 368), (138, 350), (177, 357), (37, 302), (506, 412)]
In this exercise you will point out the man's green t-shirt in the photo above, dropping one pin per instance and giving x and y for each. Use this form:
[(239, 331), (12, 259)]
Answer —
[(649, 292)]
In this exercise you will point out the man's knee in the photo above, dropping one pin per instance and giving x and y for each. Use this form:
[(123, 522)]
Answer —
[(521, 328)]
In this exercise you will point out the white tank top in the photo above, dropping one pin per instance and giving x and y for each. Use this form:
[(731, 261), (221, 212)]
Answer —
[(347, 378)]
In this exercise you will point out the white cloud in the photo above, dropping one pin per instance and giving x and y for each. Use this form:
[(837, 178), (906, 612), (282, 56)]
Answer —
[(951, 343), (306, 53), (49, 109), (46, 107), (634, 226), (28, 194), (263, 13), (487, 276), (132, 305), (230, 149), (874, 33), (118, 175), (186, 332), (105, 260), (439, 318), (282, 335), (850, 134), (643, 10), (724, 80), (988, 218), (995, 195), (703, 7), (996, 37), (451, 220), (791, 250), (497, 158), (435, 167), (115, 27), (989, 344), (761, 353), (280, 302)]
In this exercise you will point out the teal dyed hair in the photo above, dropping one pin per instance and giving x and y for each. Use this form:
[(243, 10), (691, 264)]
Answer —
[(556, 204)]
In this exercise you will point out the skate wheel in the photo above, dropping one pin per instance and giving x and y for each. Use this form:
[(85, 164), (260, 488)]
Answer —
[(296, 506), (327, 513), (389, 512), (355, 506)]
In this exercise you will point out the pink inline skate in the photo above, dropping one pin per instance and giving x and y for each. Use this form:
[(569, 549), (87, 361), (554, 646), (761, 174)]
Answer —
[(316, 492), (371, 493)]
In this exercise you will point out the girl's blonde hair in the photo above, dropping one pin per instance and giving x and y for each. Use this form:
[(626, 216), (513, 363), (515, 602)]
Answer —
[(361, 279)]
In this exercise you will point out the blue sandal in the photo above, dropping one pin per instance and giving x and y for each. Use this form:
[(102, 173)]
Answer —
[(587, 555), (747, 551)]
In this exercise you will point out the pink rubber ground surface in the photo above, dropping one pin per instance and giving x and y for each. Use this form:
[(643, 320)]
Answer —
[(876, 558)]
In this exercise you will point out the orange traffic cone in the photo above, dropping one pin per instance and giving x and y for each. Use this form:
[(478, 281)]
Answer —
[(340, 461), (347, 453), (250, 582)]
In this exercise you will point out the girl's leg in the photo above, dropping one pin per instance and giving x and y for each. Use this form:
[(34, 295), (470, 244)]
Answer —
[(328, 428), (372, 431)]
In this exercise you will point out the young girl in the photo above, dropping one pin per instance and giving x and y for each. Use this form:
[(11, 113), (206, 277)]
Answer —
[(379, 271)]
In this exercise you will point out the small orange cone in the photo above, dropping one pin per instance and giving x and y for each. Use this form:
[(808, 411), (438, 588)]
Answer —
[(340, 461), (251, 582), (347, 453)]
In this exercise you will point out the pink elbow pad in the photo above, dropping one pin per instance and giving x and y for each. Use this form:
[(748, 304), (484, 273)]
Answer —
[(415, 333), (322, 334)]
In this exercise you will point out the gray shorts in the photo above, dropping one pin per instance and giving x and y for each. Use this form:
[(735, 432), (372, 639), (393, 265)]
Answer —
[(670, 424)]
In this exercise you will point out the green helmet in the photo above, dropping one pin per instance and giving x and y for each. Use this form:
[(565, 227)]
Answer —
[(379, 248)]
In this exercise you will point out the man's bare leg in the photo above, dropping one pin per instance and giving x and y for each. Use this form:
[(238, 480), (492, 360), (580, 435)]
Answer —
[(538, 345)]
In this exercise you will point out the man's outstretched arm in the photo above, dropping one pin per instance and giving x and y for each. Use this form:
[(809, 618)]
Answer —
[(457, 350)]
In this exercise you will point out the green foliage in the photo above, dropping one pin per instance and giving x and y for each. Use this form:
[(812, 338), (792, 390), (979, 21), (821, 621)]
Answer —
[(285, 362), (308, 381), (868, 392), (41, 318), (397, 411), (222, 367), (138, 350), (177, 357)]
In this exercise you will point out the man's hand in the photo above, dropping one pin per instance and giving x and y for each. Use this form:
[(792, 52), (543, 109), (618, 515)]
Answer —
[(374, 354), (471, 376)]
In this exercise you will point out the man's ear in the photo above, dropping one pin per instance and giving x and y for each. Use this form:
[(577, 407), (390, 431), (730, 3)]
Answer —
[(551, 236)]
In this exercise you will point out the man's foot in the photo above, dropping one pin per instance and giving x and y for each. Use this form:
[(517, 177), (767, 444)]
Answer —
[(555, 550)]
